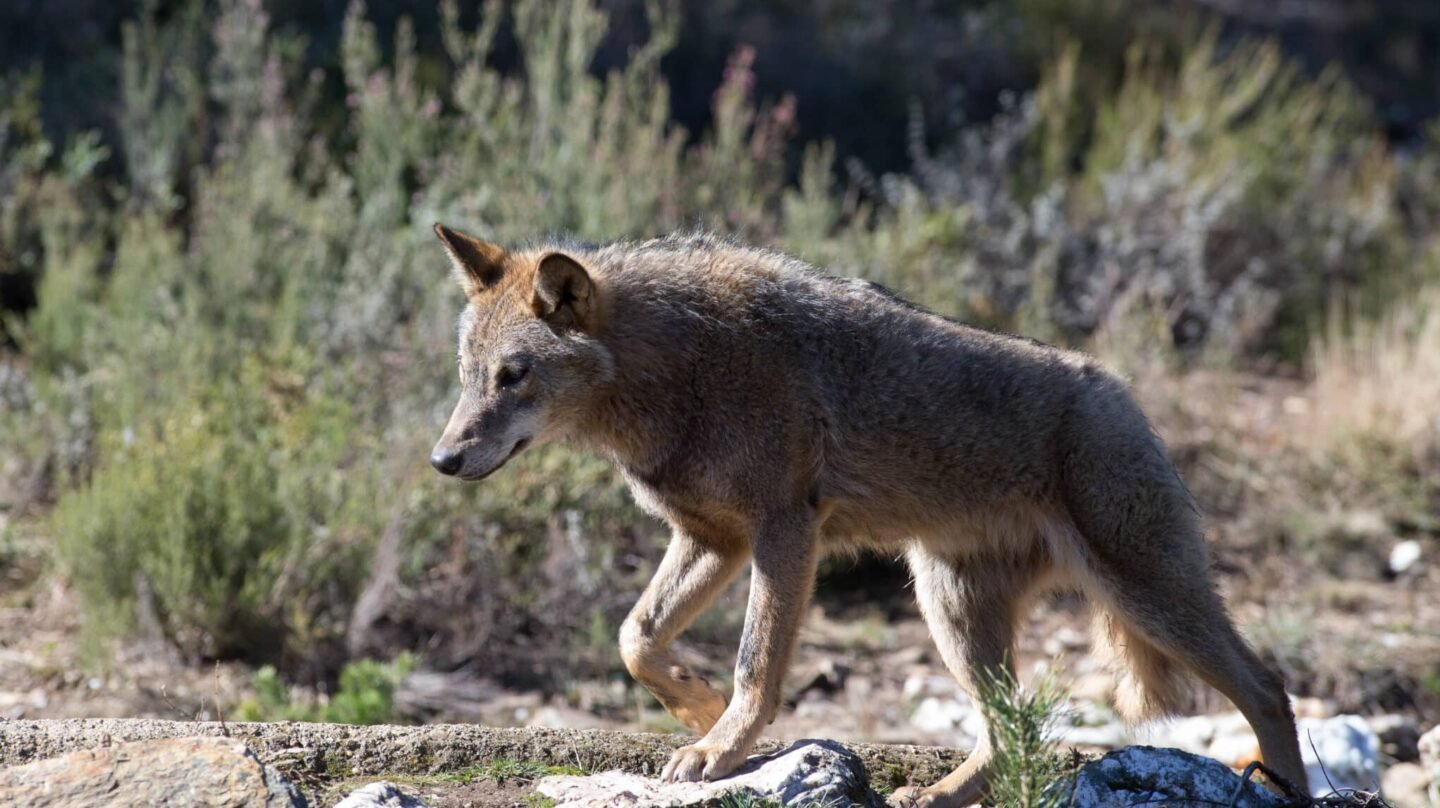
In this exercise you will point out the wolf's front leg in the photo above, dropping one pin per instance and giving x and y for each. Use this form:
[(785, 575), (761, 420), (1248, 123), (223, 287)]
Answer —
[(784, 552), (692, 574)]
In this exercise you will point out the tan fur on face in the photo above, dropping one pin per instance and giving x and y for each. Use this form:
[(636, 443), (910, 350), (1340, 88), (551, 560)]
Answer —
[(769, 412)]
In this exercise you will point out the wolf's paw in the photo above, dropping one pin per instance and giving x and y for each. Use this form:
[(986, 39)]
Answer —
[(701, 762)]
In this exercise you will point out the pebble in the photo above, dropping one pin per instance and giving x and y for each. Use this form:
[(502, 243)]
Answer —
[(951, 718), (1404, 555)]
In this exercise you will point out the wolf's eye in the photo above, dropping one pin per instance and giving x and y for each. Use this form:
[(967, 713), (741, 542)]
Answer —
[(510, 376)]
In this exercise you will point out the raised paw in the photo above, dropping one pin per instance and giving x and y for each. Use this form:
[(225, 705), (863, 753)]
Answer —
[(700, 713), (700, 762)]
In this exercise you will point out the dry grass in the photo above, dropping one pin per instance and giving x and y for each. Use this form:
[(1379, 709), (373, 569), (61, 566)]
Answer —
[(1379, 381)]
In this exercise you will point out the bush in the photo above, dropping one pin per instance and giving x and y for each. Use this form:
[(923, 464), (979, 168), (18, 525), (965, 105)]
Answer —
[(366, 695), (251, 361), (1187, 194), (233, 522), (1026, 771)]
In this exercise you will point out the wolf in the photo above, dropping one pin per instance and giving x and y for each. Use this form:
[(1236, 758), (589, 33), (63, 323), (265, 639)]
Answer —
[(771, 414)]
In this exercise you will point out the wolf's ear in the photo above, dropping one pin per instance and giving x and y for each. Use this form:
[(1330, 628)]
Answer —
[(477, 264), (564, 292)]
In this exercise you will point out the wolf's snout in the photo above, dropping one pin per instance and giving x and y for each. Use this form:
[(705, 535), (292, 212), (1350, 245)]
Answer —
[(447, 461)]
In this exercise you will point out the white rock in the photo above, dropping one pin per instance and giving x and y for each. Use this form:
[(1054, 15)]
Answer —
[(1404, 555), (1065, 639), (921, 685), (560, 717), (380, 795), (1224, 736), (1144, 775), (1430, 759), (1105, 736), (1192, 734), (1340, 752), (1404, 785), (1091, 724), (953, 718), (1236, 748), (807, 773)]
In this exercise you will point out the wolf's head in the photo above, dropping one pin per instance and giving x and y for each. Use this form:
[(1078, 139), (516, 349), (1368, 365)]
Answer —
[(529, 362)]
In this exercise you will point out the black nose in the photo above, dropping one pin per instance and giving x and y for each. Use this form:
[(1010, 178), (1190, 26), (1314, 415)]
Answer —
[(446, 461)]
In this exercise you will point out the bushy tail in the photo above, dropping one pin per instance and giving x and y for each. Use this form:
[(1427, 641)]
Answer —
[(1149, 683)]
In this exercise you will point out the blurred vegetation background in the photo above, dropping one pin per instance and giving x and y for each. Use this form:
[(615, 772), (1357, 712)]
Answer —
[(226, 326)]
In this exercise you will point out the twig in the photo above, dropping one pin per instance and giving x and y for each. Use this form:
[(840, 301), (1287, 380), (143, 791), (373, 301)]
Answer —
[(220, 711)]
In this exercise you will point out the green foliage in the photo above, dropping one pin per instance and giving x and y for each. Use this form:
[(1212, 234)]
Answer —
[(1026, 772), (219, 518), (506, 769), (365, 696)]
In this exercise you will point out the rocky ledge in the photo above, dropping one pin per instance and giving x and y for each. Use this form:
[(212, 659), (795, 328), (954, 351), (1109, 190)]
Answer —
[(285, 765)]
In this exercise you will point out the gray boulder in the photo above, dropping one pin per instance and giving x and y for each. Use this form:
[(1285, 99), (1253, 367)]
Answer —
[(1165, 777), (172, 771), (809, 773)]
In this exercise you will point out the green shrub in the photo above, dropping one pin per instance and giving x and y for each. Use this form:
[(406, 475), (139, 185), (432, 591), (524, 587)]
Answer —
[(1026, 771), (220, 519), (366, 695)]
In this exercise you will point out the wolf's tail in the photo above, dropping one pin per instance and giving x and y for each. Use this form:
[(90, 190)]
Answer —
[(1150, 684)]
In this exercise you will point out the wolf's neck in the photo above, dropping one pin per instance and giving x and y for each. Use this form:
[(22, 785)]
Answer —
[(645, 412)]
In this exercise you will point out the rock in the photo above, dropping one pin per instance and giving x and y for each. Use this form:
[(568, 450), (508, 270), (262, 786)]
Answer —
[(952, 718), (1403, 556), (1192, 734), (1227, 737), (1064, 640), (175, 771), (1399, 737), (824, 676), (559, 715), (1092, 725), (380, 795), (1340, 752), (1430, 759), (1235, 747), (1104, 736), (1310, 707), (806, 773), (925, 685), (1164, 777), (1404, 786)]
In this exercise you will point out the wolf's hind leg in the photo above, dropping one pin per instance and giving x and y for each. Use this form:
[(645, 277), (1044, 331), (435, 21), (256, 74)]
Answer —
[(689, 578), (971, 609), (1184, 619)]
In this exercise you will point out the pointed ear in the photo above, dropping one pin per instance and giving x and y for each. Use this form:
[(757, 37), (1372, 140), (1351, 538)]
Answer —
[(564, 292), (477, 264)]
